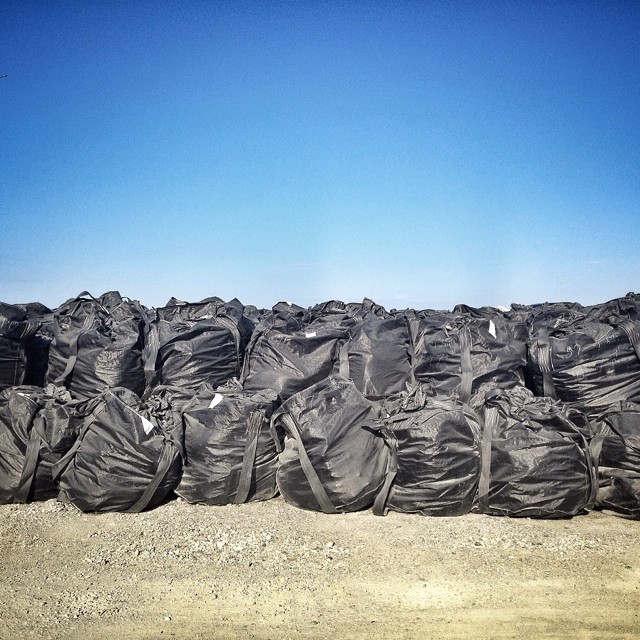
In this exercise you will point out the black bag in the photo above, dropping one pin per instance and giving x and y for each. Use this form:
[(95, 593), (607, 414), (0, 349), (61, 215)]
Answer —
[(37, 427), (587, 362), (37, 346), (287, 355), (536, 458), (330, 462), (97, 344), (15, 331), (465, 356), (192, 343), (619, 468), (123, 459), (434, 462), (231, 453), (379, 356)]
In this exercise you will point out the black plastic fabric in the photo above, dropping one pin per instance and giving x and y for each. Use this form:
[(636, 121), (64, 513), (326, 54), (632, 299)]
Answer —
[(230, 453), (123, 459), (189, 344), (37, 427), (537, 461), (619, 469), (98, 344), (588, 362), (331, 461), (15, 332), (465, 356), (435, 456), (379, 356), (289, 356)]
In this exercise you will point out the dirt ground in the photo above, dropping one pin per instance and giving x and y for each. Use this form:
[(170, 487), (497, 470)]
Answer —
[(269, 570)]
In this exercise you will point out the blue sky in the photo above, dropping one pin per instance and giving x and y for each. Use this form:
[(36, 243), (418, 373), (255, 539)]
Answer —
[(422, 154)]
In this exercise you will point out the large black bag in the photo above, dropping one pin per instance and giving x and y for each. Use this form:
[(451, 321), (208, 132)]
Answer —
[(619, 468), (434, 462), (231, 452), (590, 362), (189, 344), (465, 356), (98, 344), (123, 460), (37, 427), (536, 458), (288, 355), (379, 356), (15, 332), (331, 461)]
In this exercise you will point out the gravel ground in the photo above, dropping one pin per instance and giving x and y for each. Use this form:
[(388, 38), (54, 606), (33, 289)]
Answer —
[(269, 570)]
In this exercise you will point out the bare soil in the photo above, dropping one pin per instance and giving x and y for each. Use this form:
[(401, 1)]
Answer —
[(269, 570)]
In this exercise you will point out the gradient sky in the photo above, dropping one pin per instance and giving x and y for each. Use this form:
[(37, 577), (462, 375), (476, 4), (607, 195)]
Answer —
[(421, 154)]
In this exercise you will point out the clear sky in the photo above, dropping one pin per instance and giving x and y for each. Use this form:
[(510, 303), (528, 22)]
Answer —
[(421, 154)]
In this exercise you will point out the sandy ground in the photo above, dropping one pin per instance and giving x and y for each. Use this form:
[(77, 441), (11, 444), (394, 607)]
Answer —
[(269, 570)]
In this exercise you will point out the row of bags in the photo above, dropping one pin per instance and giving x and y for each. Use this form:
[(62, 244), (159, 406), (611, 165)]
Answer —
[(589, 359), (327, 448)]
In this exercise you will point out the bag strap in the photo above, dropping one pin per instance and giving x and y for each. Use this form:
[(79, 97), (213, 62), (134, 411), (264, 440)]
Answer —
[(545, 363), (491, 422), (254, 425), (58, 468), (344, 371), (312, 477), (167, 458), (73, 349), (29, 469), (380, 503), (466, 368), (150, 371)]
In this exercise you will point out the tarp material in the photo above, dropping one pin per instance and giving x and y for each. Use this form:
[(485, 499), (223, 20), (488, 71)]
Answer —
[(619, 469), (122, 461), (287, 355), (15, 331), (37, 427), (536, 458), (434, 462), (192, 343), (97, 344), (231, 453), (330, 462), (465, 356)]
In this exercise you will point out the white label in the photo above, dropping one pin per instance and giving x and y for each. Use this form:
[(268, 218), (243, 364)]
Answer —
[(492, 329), (217, 399), (147, 425), (310, 334)]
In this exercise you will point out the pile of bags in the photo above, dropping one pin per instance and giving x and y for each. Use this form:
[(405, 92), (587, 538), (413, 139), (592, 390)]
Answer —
[(532, 411)]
